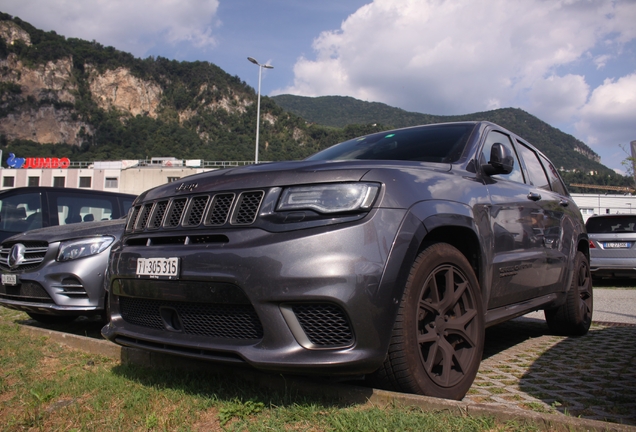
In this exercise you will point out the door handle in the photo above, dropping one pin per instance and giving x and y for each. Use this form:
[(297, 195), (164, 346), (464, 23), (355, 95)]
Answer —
[(564, 203), (534, 196)]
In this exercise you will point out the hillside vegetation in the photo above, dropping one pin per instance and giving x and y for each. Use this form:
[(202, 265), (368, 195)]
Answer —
[(573, 157), (70, 97)]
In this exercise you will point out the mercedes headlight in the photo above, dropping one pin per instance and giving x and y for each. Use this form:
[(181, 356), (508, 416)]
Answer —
[(73, 249), (330, 197)]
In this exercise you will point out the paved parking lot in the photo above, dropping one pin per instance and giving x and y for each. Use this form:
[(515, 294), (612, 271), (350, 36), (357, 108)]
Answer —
[(527, 368), (593, 376)]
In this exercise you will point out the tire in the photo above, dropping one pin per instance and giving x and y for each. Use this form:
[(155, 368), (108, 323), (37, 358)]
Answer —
[(105, 316), (438, 336), (574, 317), (52, 319)]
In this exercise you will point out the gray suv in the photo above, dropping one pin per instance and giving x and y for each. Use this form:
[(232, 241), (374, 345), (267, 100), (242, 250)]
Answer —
[(385, 256)]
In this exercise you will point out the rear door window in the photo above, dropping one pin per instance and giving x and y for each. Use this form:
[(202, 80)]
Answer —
[(74, 209), (555, 180), (127, 204), (535, 170)]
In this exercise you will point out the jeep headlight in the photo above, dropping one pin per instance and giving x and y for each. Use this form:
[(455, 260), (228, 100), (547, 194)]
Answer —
[(73, 249), (330, 197)]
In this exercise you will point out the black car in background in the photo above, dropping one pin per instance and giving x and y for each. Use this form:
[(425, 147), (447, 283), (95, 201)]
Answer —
[(386, 256), (26, 208)]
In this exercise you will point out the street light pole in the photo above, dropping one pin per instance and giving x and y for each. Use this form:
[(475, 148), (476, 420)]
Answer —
[(258, 103)]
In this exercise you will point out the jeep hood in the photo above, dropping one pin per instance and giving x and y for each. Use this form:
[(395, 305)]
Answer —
[(279, 174)]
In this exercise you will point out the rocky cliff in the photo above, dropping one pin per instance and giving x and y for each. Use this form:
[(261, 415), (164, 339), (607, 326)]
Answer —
[(119, 89), (46, 96), (78, 93)]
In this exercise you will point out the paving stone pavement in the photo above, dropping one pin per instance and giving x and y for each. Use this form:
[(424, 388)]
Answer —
[(528, 368)]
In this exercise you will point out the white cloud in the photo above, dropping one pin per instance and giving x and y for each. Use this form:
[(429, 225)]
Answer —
[(454, 56), (609, 117), (558, 98), (461, 56), (132, 26)]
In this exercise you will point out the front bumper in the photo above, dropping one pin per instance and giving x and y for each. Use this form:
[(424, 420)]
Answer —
[(59, 288), (307, 301)]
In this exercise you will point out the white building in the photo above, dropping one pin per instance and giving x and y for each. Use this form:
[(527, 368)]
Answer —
[(591, 204), (127, 176)]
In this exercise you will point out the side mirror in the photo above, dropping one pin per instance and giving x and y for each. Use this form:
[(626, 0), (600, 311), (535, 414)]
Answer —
[(501, 160)]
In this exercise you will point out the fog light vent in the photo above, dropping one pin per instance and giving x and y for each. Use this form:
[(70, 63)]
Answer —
[(326, 325)]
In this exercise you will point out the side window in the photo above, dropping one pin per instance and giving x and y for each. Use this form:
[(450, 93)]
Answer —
[(127, 203), (555, 180), (536, 173), (21, 212), (498, 137), (73, 209)]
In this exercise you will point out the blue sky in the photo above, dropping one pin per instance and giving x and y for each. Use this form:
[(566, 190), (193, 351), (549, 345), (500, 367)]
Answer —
[(572, 63)]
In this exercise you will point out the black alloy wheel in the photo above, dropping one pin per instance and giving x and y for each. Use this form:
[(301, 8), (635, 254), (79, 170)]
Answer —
[(438, 337), (574, 317)]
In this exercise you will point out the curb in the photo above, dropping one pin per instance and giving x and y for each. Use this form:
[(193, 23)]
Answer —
[(344, 393)]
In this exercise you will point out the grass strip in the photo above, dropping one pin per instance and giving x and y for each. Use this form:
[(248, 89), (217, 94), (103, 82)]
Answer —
[(47, 386)]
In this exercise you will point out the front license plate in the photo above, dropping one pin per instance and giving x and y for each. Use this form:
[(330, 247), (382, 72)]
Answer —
[(9, 279), (158, 268), (617, 245)]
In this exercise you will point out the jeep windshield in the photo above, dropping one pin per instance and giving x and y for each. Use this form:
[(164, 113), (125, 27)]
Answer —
[(439, 143)]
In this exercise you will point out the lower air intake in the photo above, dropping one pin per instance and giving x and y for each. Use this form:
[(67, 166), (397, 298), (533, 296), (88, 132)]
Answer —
[(325, 325), (229, 321)]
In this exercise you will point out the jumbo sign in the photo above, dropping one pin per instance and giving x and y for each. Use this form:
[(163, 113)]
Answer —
[(39, 162)]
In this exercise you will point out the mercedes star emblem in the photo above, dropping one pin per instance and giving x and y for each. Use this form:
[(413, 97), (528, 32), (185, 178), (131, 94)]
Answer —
[(16, 256)]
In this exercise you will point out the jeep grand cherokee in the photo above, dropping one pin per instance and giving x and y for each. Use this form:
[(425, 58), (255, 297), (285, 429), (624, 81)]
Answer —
[(385, 255)]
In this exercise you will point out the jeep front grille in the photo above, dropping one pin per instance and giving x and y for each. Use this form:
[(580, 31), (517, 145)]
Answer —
[(219, 209), (213, 210)]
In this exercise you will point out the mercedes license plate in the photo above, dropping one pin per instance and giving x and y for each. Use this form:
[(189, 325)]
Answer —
[(9, 279), (617, 245), (158, 268)]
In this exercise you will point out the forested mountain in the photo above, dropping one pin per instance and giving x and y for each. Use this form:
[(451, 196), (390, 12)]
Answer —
[(575, 159), (70, 97), (338, 111)]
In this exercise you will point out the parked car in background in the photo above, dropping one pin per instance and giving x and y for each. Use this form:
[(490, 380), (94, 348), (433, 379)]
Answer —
[(56, 274), (27, 208), (612, 245), (386, 256)]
